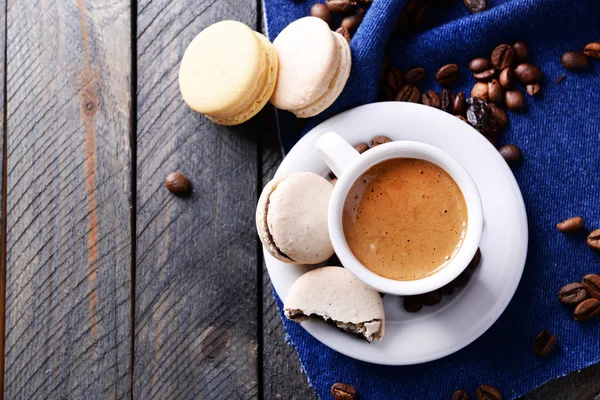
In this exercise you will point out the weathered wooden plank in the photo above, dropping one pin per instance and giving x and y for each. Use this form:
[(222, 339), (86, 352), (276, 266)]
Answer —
[(68, 226), (2, 197), (584, 384), (196, 268)]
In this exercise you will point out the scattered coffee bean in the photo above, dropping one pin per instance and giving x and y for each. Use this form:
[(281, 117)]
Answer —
[(503, 56), (475, 261), (415, 76), (345, 33), (341, 6), (521, 51), (533, 89), (460, 395), (412, 304), (380, 139), (460, 104), (481, 90), (352, 22), (592, 285), (431, 298), (528, 73), (514, 99), (592, 50), (447, 290), (479, 64), (463, 119), (572, 224), (362, 147), (485, 76), (593, 239), (487, 392), (395, 78), (506, 78), (431, 98), (560, 78), (587, 309), (492, 139), (572, 293), (476, 6), (544, 343), (409, 93), (420, 13), (320, 10), (511, 154), (499, 115), (479, 115), (495, 91), (447, 99), (461, 280), (177, 183), (448, 74), (574, 61), (343, 391)]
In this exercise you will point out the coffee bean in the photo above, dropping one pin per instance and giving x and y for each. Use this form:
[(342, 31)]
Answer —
[(352, 22), (521, 51), (572, 293), (528, 73), (480, 116), (492, 139), (499, 115), (447, 99), (380, 139), (479, 64), (448, 74), (592, 50), (461, 280), (431, 98), (487, 392), (587, 309), (495, 91), (420, 13), (506, 78), (343, 391), (345, 33), (412, 304), (485, 76), (431, 298), (533, 89), (341, 6), (593, 239), (481, 90), (463, 119), (447, 290), (460, 395), (320, 10), (409, 93), (415, 76), (514, 99), (511, 154), (460, 104), (476, 6), (544, 343), (572, 224), (475, 261), (592, 285), (177, 184), (503, 56), (362, 147), (574, 61), (395, 78)]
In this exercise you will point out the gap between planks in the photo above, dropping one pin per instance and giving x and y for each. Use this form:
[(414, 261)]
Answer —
[(3, 209), (133, 186)]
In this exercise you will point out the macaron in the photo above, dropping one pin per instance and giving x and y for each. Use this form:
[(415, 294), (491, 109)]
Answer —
[(314, 65), (291, 218), (335, 295), (228, 72)]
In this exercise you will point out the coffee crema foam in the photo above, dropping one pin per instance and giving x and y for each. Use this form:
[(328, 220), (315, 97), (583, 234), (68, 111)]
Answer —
[(405, 219)]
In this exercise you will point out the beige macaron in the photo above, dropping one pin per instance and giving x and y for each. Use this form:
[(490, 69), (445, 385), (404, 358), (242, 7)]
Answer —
[(228, 72), (291, 218), (314, 65), (335, 295)]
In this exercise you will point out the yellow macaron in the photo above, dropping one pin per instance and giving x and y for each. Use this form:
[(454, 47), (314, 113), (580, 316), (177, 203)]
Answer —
[(228, 72)]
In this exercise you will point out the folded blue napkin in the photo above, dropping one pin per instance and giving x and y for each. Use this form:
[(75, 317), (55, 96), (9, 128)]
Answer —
[(559, 133)]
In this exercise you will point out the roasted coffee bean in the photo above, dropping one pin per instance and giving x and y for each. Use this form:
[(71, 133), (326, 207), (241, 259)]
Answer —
[(499, 115), (506, 78), (544, 343), (503, 56), (380, 139), (352, 22), (415, 76), (447, 99), (495, 91), (574, 61), (487, 392), (476, 6), (560, 78), (592, 285), (345, 33), (420, 14), (362, 147), (409, 93), (572, 293), (447, 290), (592, 50), (480, 116), (593, 239), (492, 139), (533, 89), (460, 104), (463, 119), (460, 395), (343, 391), (511, 154), (177, 184), (528, 73), (514, 99), (431, 98), (475, 261), (479, 64), (341, 6), (485, 76), (431, 298), (572, 224), (587, 309), (412, 304), (481, 90), (448, 74), (521, 51), (461, 280), (395, 78), (320, 10)]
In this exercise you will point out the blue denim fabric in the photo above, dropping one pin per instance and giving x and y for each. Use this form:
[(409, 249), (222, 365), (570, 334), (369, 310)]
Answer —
[(559, 134)]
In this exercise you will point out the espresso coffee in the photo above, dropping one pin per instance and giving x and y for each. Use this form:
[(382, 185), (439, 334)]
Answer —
[(405, 219)]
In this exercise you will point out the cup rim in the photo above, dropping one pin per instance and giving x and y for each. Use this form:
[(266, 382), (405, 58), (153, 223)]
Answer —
[(406, 149)]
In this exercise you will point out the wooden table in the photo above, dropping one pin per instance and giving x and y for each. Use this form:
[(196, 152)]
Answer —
[(111, 287)]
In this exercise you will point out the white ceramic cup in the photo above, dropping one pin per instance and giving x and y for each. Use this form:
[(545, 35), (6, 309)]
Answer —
[(348, 165)]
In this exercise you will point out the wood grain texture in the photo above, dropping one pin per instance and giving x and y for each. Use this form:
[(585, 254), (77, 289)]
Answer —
[(578, 385), (196, 277), (2, 197), (68, 225)]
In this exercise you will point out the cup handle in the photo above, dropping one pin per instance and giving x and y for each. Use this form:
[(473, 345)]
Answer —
[(336, 152)]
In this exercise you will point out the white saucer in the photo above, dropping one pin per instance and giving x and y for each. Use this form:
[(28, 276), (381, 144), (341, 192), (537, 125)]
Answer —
[(458, 320)]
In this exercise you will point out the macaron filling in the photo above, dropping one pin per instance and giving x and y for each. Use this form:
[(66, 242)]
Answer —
[(368, 330), (270, 237)]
